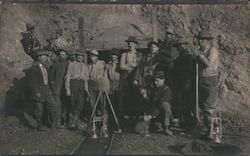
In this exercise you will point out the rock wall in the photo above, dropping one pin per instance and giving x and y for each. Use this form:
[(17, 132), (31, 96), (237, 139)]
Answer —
[(114, 23)]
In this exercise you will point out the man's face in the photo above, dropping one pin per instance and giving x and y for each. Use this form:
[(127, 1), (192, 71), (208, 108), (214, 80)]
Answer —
[(154, 48), (159, 82), (203, 44), (43, 58), (63, 55), (170, 37), (114, 58), (80, 58), (181, 48), (93, 58), (132, 45)]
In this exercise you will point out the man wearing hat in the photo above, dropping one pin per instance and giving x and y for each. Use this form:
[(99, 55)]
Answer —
[(113, 72), (128, 63), (30, 42), (76, 84), (143, 78), (41, 91), (57, 73), (98, 79), (208, 60), (159, 108), (183, 83)]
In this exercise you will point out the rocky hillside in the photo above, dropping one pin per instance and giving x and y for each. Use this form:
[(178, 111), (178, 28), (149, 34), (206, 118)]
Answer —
[(112, 24)]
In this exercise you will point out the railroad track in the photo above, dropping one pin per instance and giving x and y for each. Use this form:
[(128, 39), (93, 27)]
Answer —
[(94, 146)]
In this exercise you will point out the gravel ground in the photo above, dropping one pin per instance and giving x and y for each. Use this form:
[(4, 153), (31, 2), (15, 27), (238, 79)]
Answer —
[(18, 139)]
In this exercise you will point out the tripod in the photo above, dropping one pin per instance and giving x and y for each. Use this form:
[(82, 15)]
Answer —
[(94, 119)]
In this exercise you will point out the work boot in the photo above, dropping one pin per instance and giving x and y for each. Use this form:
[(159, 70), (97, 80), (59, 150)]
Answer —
[(81, 125), (168, 132), (42, 128)]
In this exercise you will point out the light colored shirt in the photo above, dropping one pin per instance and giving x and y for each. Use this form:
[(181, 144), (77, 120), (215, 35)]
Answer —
[(210, 58), (96, 70), (129, 61), (44, 73), (76, 70)]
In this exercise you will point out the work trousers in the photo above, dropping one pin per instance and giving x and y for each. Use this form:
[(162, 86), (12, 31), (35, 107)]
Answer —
[(94, 91), (62, 104), (78, 96), (46, 100), (208, 91)]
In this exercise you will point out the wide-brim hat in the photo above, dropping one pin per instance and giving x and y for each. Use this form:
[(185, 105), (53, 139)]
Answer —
[(159, 74), (153, 42), (204, 34), (40, 52), (181, 41), (170, 31), (132, 39), (60, 50), (30, 26), (94, 52)]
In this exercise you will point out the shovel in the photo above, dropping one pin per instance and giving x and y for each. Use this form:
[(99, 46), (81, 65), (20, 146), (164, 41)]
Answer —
[(197, 130)]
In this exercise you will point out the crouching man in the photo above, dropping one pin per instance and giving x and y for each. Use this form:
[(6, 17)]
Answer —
[(41, 91), (159, 107)]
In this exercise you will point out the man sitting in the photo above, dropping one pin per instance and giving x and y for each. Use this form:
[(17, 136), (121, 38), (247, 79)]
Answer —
[(159, 106)]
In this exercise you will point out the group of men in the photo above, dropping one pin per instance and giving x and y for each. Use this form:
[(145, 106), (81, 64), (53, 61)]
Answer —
[(156, 85)]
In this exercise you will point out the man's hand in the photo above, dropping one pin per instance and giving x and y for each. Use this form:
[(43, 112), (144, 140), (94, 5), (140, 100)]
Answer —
[(147, 117), (68, 93), (38, 95), (143, 92), (135, 83)]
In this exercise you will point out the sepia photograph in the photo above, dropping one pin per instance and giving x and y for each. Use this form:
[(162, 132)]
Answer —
[(117, 77)]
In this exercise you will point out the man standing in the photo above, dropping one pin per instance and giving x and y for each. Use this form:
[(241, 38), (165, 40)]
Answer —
[(41, 91), (113, 75), (159, 108), (144, 72), (128, 63), (168, 54), (208, 59), (183, 83), (57, 73), (97, 80), (76, 84)]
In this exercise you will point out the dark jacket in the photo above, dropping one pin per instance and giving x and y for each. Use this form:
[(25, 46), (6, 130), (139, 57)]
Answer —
[(157, 98), (36, 81), (57, 73), (145, 70)]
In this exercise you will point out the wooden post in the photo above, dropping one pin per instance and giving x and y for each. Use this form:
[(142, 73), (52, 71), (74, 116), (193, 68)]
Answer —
[(154, 24), (81, 37)]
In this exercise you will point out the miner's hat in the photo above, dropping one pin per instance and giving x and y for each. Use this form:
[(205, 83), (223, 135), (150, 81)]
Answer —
[(42, 51), (94, 52), (169, 31), (30, 26), (159, 75)]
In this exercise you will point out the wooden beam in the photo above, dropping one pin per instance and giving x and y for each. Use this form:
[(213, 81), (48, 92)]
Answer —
[(81, 37)]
